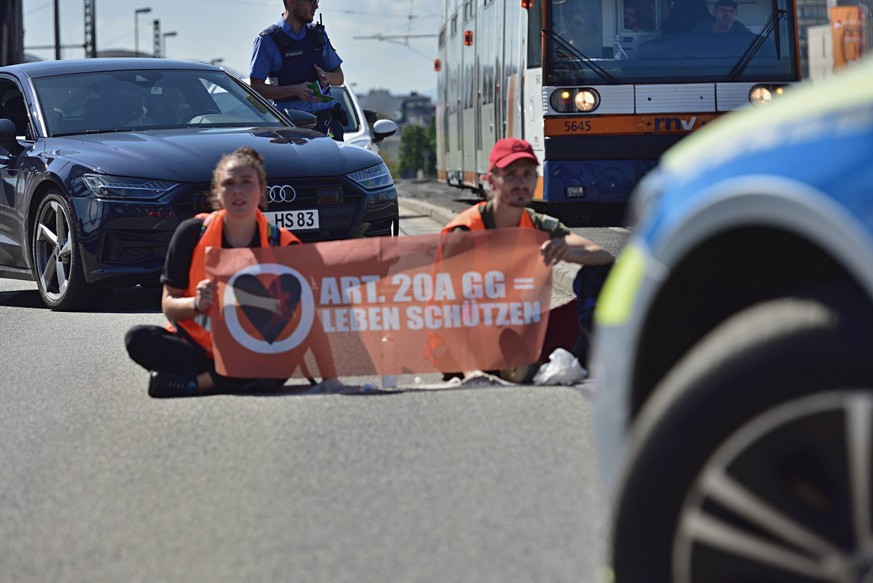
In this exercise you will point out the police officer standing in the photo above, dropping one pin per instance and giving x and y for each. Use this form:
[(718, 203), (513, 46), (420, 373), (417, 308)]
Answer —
[(296, 53)]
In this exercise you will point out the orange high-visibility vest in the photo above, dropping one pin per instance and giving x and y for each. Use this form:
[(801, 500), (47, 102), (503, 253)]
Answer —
[(437, 351), (198, 327), (472, 220)]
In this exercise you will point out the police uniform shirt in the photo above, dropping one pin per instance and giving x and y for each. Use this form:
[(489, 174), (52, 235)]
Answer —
[(267, 57)]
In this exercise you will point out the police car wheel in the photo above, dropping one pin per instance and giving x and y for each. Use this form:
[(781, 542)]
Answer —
[(753, 460)]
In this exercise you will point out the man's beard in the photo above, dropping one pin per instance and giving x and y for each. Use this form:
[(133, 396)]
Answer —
[(515, 202)]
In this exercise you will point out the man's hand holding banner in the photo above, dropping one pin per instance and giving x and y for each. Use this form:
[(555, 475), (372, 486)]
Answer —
[(390, 305)]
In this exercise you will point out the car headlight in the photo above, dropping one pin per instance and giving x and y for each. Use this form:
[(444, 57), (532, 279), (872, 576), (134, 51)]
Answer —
[(374, 177), (106, 186)]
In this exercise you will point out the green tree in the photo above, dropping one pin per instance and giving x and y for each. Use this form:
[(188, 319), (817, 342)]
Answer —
[(418, 150)]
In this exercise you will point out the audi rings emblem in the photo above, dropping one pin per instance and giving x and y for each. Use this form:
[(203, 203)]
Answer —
[(281, 193)]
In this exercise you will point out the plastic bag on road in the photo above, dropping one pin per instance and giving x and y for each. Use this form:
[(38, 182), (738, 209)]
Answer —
[(562, 369)]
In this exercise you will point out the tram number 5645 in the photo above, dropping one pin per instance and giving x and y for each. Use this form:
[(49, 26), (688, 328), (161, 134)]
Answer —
[(577, 126)]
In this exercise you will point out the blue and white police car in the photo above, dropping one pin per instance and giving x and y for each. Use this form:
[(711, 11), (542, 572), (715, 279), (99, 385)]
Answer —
[(734, 350)]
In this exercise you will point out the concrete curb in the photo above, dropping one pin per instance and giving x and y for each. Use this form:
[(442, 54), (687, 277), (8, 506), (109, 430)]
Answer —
[(426, 209), (563, 273)]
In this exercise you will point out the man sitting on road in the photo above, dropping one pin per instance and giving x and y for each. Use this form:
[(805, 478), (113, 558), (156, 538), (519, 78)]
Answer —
[(513, 179)]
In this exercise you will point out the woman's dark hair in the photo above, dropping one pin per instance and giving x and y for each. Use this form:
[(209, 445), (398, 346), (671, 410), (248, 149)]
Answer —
[(247, 157)]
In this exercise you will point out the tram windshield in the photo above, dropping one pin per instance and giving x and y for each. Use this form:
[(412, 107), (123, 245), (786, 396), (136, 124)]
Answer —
[(598, 42)]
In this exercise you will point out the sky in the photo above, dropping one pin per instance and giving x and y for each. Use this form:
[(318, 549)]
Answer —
[(224, 29)]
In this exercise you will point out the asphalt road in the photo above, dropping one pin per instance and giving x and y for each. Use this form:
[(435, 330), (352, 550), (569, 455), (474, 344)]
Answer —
[(432, 483)]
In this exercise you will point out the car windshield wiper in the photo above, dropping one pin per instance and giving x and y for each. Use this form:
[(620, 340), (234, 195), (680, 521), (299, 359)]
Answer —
[(771, 25), (102, 131), (600, 71)]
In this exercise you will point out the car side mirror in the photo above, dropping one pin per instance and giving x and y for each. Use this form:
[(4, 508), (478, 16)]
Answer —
[(301, 119), (383, 128), (7, 136)]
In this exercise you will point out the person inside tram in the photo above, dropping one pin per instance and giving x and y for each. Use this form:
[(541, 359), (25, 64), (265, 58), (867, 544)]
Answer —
[(723, 21), (637, 16)]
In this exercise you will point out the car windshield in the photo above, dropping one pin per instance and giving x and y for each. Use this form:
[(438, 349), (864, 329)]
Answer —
[(639, 41), (144, 100)]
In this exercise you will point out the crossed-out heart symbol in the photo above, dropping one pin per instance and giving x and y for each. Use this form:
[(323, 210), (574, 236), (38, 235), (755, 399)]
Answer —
[(269, 309)]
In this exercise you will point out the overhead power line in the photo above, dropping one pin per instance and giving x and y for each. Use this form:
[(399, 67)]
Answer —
[(391, 37), (381, 36)]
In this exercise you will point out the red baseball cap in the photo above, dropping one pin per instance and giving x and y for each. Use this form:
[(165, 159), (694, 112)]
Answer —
[(508, 150)]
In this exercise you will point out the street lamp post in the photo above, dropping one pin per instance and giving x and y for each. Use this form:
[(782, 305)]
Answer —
[(166, 34), (136, 14)]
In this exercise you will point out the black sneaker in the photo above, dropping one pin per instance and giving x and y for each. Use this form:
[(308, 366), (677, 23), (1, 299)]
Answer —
[(163, 385)]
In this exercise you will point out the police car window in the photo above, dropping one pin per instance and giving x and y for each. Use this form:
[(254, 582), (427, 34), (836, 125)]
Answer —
[(345, 101)]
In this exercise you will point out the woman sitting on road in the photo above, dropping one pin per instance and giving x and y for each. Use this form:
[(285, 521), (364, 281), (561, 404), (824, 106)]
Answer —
[(180, 355)]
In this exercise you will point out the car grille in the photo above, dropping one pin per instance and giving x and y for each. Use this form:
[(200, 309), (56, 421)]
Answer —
[(144, 249), (136, 254), (195, 200)]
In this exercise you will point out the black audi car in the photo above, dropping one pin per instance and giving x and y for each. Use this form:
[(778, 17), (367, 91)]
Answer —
[(102, 158)]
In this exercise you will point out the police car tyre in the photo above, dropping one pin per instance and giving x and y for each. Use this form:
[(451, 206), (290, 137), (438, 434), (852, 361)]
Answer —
[(751, 443), (55, 259)]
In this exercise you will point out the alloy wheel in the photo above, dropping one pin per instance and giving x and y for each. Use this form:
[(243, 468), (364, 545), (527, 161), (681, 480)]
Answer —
[(786, 498), (53, 250)]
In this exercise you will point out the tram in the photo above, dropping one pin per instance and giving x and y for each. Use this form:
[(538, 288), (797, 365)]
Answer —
[(601, 88)]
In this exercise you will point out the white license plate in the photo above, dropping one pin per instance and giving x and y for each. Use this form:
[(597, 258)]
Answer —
[(295, 220)]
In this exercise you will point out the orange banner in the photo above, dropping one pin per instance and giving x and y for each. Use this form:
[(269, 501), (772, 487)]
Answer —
[(387, 305)]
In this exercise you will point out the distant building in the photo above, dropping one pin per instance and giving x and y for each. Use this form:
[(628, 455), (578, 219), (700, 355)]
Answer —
[(401, 109), (418, 109), (812, 14), (821, 52), (820, 62), (384, 104)]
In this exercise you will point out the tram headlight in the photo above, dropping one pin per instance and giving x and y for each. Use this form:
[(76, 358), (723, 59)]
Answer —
[(587, 100), (764, 94), (562, 101), (572, 100)]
